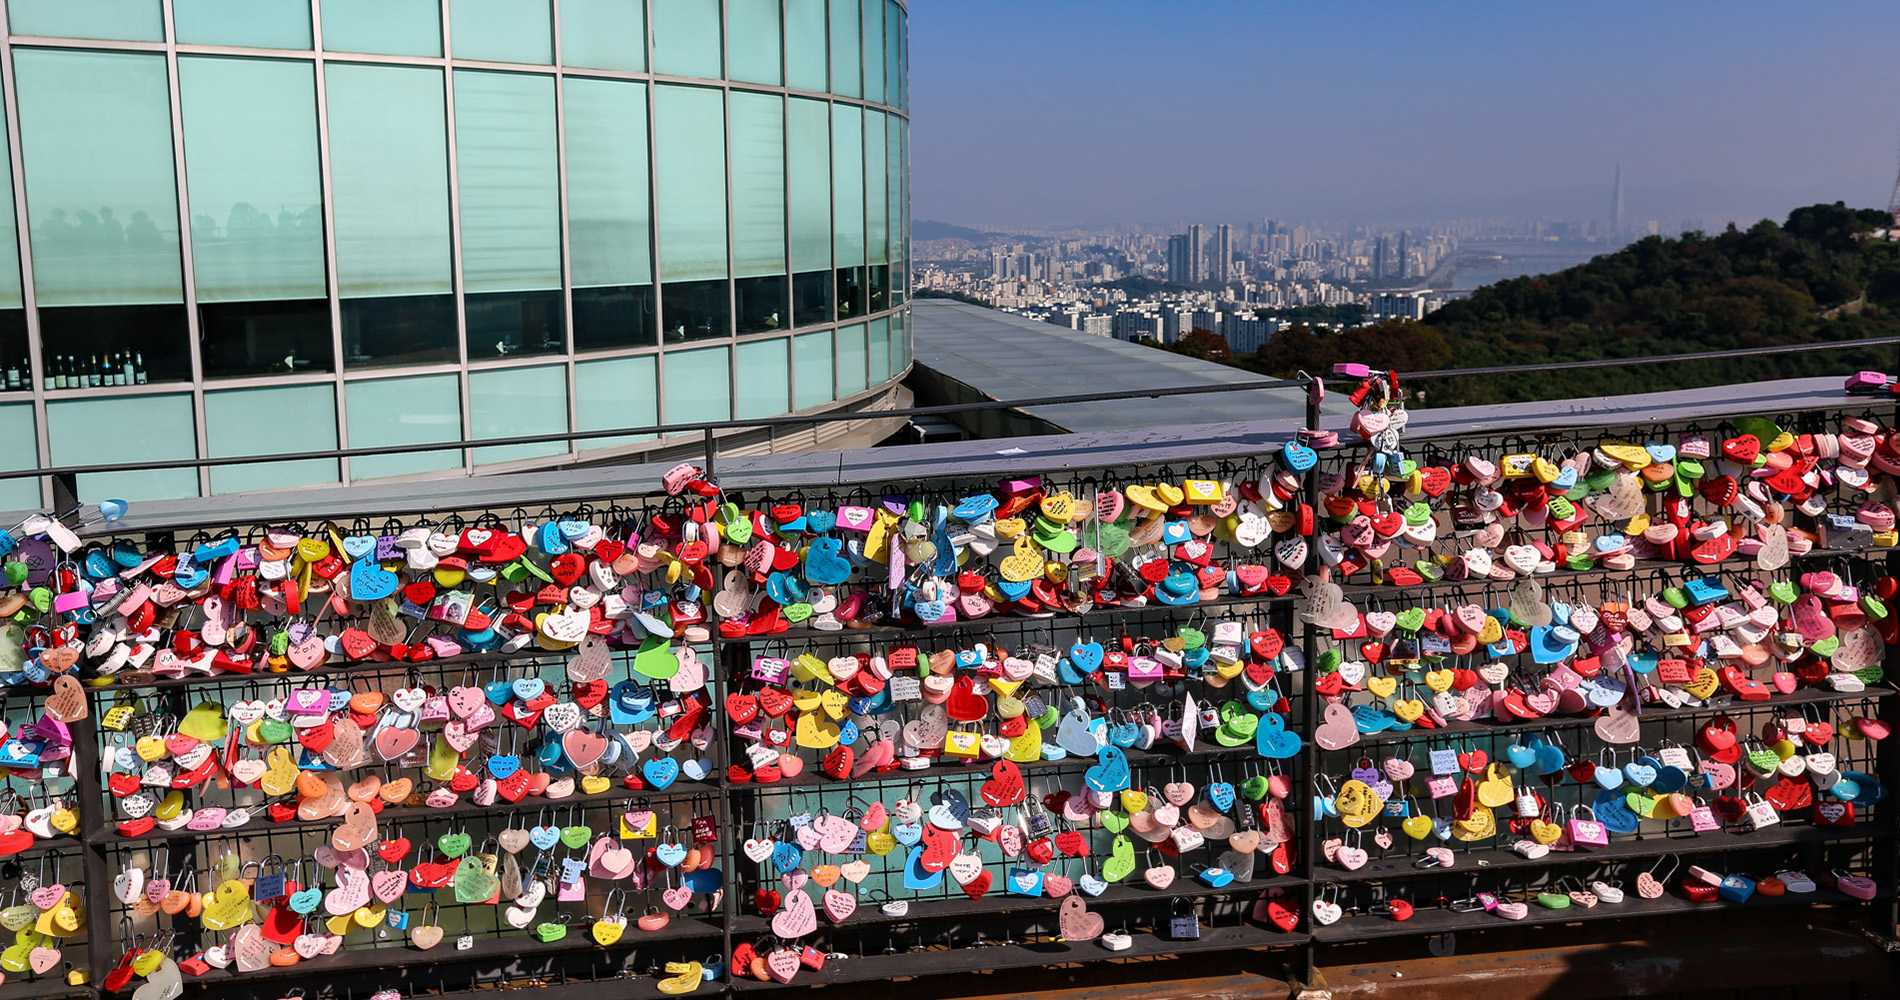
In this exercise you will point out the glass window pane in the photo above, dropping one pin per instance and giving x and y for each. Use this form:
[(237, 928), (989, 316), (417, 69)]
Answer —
[(390, 200), (392, 411), (618, 392), (512, 401), (877, 223), (808, 144), (811, 366), (12, 300), (510, 181), (232, 420), (758, 184), (754, 41), (698, 385), (805, 44), (894, 180), (132, 20), (274, 24), (19, 450), (846, 68), (765, 378), (607, 205), (893, 54), (252, 173), (96, 135), (390, 27), (686, 38), (879, 357), (501, 30), (690, 125), (873, 51), (604, 34), (126, 429), (851, 352), (847, 145), (900, 342)]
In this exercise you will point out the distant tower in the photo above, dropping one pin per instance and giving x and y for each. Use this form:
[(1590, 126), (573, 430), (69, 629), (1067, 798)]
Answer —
[(1616, 201), (1893, 200), (1223, 253), (1378, 261), (1195, 271), (1400, 270)]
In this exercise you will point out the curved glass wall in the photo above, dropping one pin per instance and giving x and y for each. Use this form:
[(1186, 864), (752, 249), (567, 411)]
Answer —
[(254, 226)]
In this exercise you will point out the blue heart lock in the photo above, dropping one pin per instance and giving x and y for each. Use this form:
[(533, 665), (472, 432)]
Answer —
[(97, 566), (1871, 790), (670, 855), (1297, 457), (305, 900), (1221, 793), (915, 877), (1124, 734), (358, 546), (946, 562), (1091, 885), (212, 551), (189, 575), (974, 508), (544, 837), (369, 581), (572, 529), (1262, 700), (630, 703), (126, 554), (1087, 656), (660, 772), (1025, 882), (339, 699), (1111, 773), (1609, 777), (529, 688), (498, 692), (704, 880), (907, 834), (1643, 663), (1641, 773), (1550, 758), (848, 733), (553, 759), (502, 766), (824, 563), (1051, 750), (821, 521), (548, 538), (1373, 720), (307, 761), (1069, 673), (1520, 755), (1613, 811), (1012, 589), (953, 800), (1271, 739), (1214, 878)]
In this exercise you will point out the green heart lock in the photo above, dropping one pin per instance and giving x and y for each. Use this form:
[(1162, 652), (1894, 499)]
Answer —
[(1111, 540), (1193, 638), (1562, 509), (1783, 591), (1871, 675), (1599, 480), (1429, 570), (1575, 494), (548, 930), (1826, 647), (1407, 467), (1412, 619), (1676, 597), (576, 836), (1233, 732), (1112, 821), (273, 730), (655, 658), (41, 599), (472, 884), (1254, 788), (515, 571), (1764, 761), (454, 844), (1689, 469), (1418, 514), (1330, 659), (1121, 860), (1581, 561), (1764, 429), (915, 511), (796, 612), (16, 572), (1049, 717), (738, 526), (279, 643), (1641, 804)]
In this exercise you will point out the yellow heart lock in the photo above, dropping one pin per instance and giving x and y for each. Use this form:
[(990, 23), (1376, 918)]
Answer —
[(881, 842), (150, 748), (1438, 680), (1383, 685), (117, 718), (805, 699), (815, 732), (834, 702), (1492, 631), (1144, 497), (1408, 709), (1059, 506), (1025, 564), (341, 924), (606, 932), (1027, 747), (1009, 707), (370, 916), (1637, 525), (1134, 800), (280, 771), (595, 784), (312, 549), (228, 907), (69, 916), (1009, 527), (442, 760), (686, 978), (205, 723), (1481, 825), (1169, 494), (20, 917), (147, 962), (1417, 827), (1545, 833), (807, 667), (65, 819), (1634, 456), (877, 540), (1784, 749), (1357, 803), (1704, 685), (171, 805), (1496, 788)]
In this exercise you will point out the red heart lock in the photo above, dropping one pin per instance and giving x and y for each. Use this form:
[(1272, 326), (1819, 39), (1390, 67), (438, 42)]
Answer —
[(393, 851), (978, 886), (1330, 685), (1072, 843), (1398, 909), (1473, 761), (567, 568), (1789, 794), (281, 812), (144, 824), (1717, 739), (1729, 807), (1282, 916), (1054, 801), (1042, 850), (420, 592)]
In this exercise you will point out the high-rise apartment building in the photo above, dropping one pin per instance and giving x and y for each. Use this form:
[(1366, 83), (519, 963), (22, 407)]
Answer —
[(1378, 260), (447, 219), (1404, 254), (1196, 250), (1181, 258), (1224, 253)]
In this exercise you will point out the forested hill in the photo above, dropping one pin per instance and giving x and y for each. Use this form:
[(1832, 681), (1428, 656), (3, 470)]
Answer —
[(1819, 276)]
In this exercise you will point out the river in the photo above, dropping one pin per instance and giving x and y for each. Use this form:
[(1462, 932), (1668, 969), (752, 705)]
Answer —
[(1484, 262)]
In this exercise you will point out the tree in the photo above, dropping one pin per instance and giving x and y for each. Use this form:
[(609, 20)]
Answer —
[(1206, 345)]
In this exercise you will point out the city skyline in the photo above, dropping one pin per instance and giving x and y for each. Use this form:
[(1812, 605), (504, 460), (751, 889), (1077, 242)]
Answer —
[(1393, 114)]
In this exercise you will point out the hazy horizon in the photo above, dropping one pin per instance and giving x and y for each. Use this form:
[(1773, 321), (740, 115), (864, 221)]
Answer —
[(1056, 113)]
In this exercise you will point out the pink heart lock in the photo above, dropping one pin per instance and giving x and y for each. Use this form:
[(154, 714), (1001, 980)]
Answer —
[(1398, 768)]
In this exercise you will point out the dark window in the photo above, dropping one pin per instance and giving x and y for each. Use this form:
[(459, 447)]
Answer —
[(16, 365), (265, 338), (850, 292), (617, 316), (151, 338), (761, 303), (696, 310), (811, 298), (398, 330), (510, 324), (880, 287)]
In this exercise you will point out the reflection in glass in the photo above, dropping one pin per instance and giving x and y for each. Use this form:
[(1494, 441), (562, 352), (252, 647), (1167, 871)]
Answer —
[(686, 38), (811, 298), (270, 24), (765, 379), (510, 402), (511, 324), (615, 393), (389, 27), (880, 288), (303, 418), (847, 66), (613, 316), (131, 20), (690, 171), (609, 230), (851, 292), (847, 180), (760, 303), (698, 385), (391, 411), (123, 429), (812, 368), (753, 41), (805, 45), (501, 31), (604, 34), (696, 310), (851, 361)]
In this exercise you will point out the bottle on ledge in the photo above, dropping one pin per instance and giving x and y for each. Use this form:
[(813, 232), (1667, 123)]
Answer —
[(138, 368), (59, 373), (94, 373), (125, 367)]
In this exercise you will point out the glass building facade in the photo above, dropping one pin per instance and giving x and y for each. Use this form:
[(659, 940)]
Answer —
[(264, 226)]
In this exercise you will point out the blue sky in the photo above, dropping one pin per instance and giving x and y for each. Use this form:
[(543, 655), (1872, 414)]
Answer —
[(1050, 112)]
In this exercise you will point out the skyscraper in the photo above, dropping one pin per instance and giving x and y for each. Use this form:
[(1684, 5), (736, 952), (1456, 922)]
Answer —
[(1399, 271), (1223, 253), (1180, 257), (1378, 261), (1616, 201), (1195, 247)]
